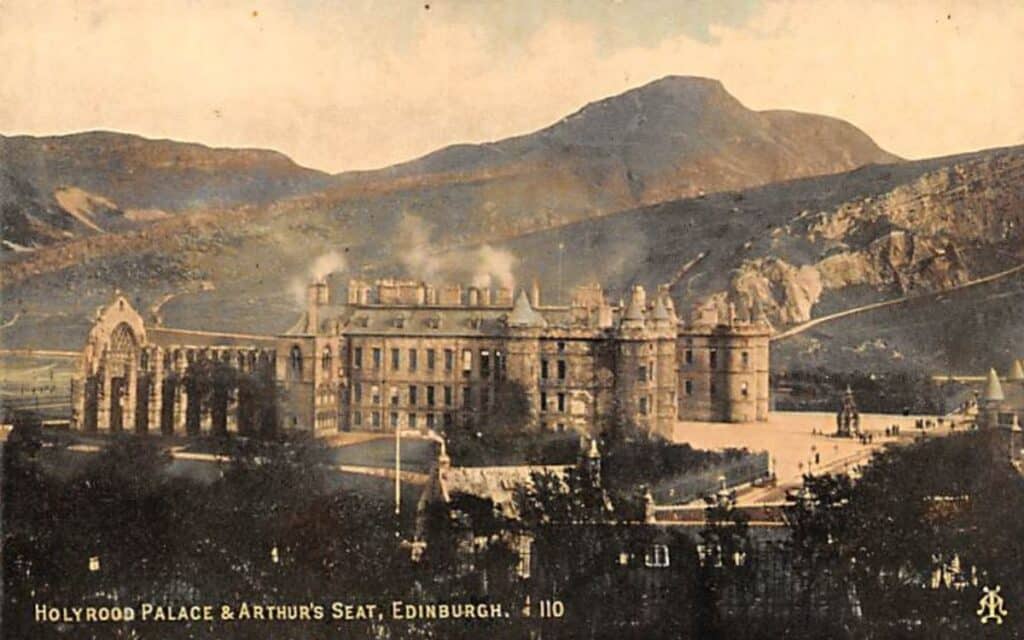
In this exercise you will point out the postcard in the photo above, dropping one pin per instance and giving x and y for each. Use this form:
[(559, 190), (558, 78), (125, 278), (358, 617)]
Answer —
[(443, 319)]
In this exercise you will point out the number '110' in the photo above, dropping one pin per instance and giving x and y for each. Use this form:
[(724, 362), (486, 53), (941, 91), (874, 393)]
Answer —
[(550, 608)]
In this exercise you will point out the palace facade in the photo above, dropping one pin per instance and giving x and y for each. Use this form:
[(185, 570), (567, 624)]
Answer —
[(407, 355)]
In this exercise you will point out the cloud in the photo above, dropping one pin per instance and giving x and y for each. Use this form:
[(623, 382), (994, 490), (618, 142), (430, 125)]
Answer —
[(352, 85)]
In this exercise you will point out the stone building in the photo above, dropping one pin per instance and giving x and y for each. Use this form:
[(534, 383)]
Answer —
[(1001, 408), (404, 354)]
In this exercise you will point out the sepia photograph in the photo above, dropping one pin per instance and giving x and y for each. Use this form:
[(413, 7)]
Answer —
[(511, 319)]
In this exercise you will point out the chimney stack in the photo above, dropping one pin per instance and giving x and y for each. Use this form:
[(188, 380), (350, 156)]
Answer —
[(316, 296)]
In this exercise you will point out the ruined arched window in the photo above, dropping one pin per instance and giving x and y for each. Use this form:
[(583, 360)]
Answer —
[(296, 362), (325, 360)]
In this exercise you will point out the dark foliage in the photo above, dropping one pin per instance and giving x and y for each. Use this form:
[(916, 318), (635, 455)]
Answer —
[(887, 392)]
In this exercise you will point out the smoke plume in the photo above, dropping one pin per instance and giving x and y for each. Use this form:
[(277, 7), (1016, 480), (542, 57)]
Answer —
[(323, 266), (484, 266)]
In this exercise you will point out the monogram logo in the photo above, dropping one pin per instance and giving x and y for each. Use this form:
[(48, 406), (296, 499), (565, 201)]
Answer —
[(990, 607)]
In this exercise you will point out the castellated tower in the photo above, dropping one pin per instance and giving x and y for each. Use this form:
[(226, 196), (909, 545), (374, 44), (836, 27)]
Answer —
[(645, 367), (723, 369)]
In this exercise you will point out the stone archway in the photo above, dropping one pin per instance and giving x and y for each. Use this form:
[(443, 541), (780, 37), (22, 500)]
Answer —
[(111, 375), (120, 367)]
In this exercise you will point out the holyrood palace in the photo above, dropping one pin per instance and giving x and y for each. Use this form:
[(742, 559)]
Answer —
[(407, 355)]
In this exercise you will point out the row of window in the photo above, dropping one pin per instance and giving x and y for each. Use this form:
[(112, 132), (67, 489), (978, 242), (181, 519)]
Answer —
[(412, 420), (489, 361), (559, 402), (413, 396), (560, 369), (713, 358), (712, 391)]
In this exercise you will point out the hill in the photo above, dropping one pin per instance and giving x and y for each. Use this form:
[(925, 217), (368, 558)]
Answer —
[(800, 215), (53, 189), (674, 138)]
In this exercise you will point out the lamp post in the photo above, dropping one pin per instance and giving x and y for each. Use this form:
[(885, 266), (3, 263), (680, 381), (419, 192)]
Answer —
[(398, 470)]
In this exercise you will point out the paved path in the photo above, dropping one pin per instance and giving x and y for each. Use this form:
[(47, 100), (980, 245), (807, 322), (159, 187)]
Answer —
[(794, 446)]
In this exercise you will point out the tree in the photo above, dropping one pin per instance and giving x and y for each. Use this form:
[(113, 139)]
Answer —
[(919, 518)]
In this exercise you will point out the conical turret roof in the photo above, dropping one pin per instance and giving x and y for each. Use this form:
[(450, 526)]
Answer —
[(993, 389), (660, 311), (524, 315), (635, 308), (1016, 373)]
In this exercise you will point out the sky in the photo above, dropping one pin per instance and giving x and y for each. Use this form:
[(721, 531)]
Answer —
[(359, 84)]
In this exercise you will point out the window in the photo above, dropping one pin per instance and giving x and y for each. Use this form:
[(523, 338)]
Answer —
[(743, 390), (561, 369), (357, 418), (395, 359), (325, 360), (656, 556), (430, 396), (431, 359), (688, 387), (447, 396), (641, 372), (413, 359), (393, 396), (561, 347), (357, 391), (711, 389), (467, 397), (485, 363), (449, 359), (296, 362), (561, 403), (357, 358), (412, 394), (375, 394), (430, 419), (448, 419), (644, 405), (375, 418), (543, 401), (713, 358), (745, 359), (467, 362), (544, 369), (412, 420), (394, 419), (499, 363), (688, 356), (376, 357)]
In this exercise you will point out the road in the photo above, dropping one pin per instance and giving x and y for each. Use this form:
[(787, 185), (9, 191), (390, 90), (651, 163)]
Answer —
[(810, 324)]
